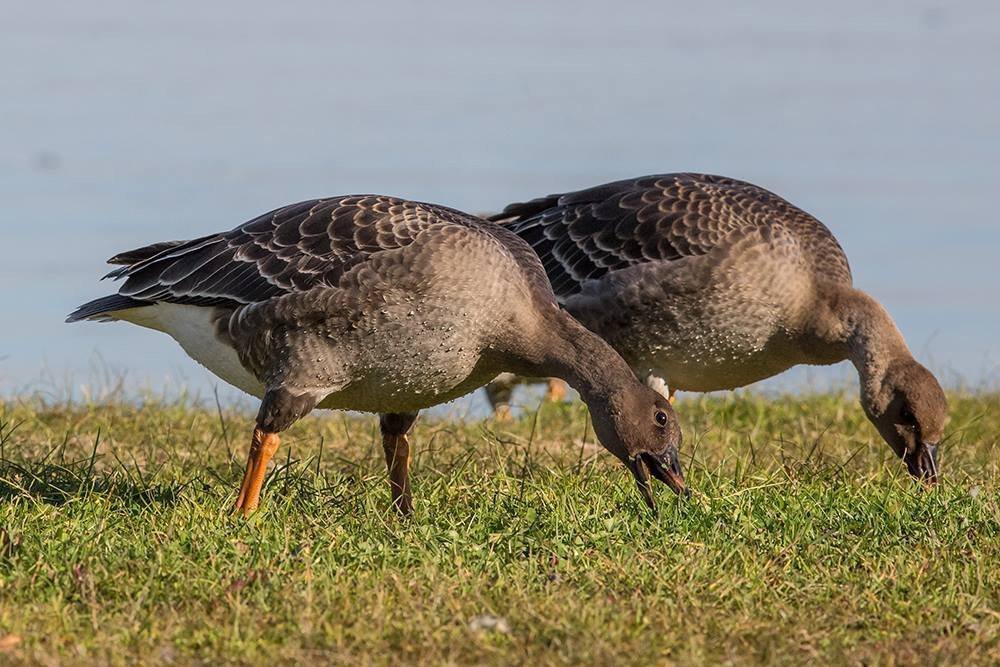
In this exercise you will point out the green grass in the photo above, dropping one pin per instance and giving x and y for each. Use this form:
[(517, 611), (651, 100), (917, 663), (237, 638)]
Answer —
[(804, 539)]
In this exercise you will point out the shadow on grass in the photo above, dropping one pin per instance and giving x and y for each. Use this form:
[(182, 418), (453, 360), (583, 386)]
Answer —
[(59, 483)]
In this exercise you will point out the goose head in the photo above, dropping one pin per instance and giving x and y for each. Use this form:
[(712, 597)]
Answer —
[(640, 428), (910, 411)]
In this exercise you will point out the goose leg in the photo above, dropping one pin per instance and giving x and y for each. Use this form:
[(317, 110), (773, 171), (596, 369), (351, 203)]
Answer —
[(279, 409), (262, 448), (556, 391), (394, 427), (498, 393)]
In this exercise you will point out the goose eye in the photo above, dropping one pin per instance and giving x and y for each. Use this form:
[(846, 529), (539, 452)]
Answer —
[(907, 416), (660, 417)]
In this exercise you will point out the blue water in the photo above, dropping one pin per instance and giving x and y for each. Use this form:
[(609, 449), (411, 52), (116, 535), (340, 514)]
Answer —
[(123, 123)]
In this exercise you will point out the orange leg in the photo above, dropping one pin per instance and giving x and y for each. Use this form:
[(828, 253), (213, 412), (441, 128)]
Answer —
[(556, 391), (498, 393), (262, 448), (394, 427), (502, 413), (671, 397), (397, 460)]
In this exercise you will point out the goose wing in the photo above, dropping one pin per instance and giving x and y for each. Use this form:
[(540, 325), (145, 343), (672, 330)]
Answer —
[(291, 249), (585, 235)]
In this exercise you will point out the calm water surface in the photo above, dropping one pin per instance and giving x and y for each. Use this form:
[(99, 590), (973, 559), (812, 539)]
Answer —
[(123, 123)]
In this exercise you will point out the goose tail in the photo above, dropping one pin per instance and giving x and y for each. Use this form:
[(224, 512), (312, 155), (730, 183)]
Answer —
[(100, 310)]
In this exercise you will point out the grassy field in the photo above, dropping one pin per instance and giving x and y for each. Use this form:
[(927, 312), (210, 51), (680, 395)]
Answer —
[(804, 538)]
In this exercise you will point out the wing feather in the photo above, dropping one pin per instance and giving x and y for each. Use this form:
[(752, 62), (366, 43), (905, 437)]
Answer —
[(291, 249), (584, 235)]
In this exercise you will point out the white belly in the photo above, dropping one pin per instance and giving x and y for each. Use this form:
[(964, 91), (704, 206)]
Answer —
[(192, 327)]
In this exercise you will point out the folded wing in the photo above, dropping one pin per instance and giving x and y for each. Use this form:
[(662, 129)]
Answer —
[(584, 235)]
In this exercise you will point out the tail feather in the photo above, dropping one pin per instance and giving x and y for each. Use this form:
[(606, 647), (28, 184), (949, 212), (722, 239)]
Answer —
[(139, 254), (99, 309), (521, 210)]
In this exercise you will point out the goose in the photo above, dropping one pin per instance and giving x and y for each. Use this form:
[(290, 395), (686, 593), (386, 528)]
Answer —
[(378, 304), (712, 283)]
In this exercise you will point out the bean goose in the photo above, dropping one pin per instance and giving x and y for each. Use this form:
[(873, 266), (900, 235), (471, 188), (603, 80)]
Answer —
[(382, 305), (713, 283)]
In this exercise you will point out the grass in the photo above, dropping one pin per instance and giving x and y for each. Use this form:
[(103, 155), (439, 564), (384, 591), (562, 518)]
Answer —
[(804, 540)]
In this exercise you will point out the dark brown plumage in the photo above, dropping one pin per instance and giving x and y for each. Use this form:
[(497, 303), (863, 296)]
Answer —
[(294, 248), (587, 234)]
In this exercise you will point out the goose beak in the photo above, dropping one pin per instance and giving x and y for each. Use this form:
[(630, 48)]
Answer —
[(922, 463), (664, 467)]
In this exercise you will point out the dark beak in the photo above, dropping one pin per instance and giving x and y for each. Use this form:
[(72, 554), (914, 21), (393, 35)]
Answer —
[(664, 467), (922, 463)]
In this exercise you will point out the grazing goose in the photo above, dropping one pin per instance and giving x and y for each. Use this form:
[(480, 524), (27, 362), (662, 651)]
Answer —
[(381, 305), (712, 283)]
